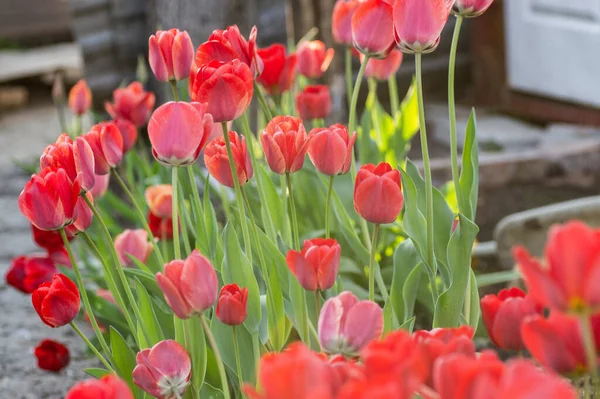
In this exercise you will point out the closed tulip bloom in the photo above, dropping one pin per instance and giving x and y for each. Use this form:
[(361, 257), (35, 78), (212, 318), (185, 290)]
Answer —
[(384, 68), (285, 143), (170, 54), (48, 199), (133, 243), (372, 28), (26, 273), (569, 279), (160, 200), (190, 286), (57, 301), (228, 45), (419, 23), (128, 132), (80, 98), (163, 371), (232, 307), (331, 149), (471, 8), (217, 160), (346, 324), (314, 102), (316, 266), (47, 239), (503, 315), (132, 103), (313, 58), (106, 142), (341, 25), (178, 131), (76, 158), (100, 186), (84, 214), (279, 69), (108, 387), (51, 355), (377, 194), (226, 87)]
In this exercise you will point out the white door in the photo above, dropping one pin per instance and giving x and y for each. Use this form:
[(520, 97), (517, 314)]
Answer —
[(553, 48)]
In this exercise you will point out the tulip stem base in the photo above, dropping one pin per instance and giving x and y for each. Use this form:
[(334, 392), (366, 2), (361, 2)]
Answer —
[(328, 205), (213, 345), (238, 364), (372, 263), (92, 347), (293, 216), (587, 334)]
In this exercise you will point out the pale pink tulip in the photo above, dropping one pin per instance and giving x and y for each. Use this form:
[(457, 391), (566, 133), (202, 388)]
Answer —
[(419, 23), (133, 243)]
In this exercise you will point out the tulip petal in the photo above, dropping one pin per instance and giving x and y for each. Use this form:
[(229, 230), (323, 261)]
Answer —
[(364, 323)]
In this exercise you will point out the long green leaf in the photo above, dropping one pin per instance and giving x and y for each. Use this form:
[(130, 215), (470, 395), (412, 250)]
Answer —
[(469, 176), (148, 316), (124, 357), (406, 260), (276, 312)]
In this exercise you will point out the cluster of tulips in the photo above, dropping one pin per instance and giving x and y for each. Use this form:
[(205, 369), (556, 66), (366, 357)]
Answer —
[(182, 308)]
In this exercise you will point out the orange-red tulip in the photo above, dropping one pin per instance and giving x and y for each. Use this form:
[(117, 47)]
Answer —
[(385, 68), (313, 58), (331, 149), (372, 28), (419, 23), (26, 273), (217, 160), (279, 69), (109, 386), (316, 266), (80, 98), (170, 54), (341, 24), (285, 143), (56, 302), (160, 200), (133, 243), (132, 103), (232, 306), (377, 195), (106, 142), (471, 8), (314, 102), (51, 355)]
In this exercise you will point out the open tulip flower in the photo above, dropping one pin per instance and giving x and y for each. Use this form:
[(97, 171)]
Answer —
[(419, 23), (76, 158), (314, 102), (171, 54), (133, 243), (372, 28), (217, 160), (279, 70), (51, 355), (331, 149), (341, 26), (132, 103), (108, 387), (106, 142), (471, 8), (317, 265), (80, 98), (57, 301), (285, 143), (377, 194), (26, 273), (313, 58)]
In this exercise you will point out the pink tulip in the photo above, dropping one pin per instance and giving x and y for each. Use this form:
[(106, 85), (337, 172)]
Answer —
[(285, 143), (346, 324), (170, 55), (106, 142), (372, 28), (178, 131), (190, 286), (101, 186), (80, 98), (331, 149), (313, 58), (128, 132), (317, 265), (385, 68), (132, 103), (134, 243), (471, 8), (419, 23), (163, 371), (84, 214), (341, 24)]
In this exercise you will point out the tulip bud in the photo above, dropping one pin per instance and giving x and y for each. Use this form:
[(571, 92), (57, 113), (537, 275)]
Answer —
[(57, 301), (372, 28), (377, 194), (217, 160), (419, 23), (128, 132), (163, 371), (341, 25), (80, 98), (26, 273), (132, 103), (331, 149), (471, 8), (385, 68), (285, 143), (317, 265), (51, 355), (160, 200), (170, 55), (109, 386), (106, 142), (346, 324), (313, 58), (232, 307), (190, 286), (133, 243), (279, 70), (314, 102)]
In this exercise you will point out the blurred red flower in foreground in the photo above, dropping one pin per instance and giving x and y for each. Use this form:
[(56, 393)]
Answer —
[(108, 387), (26, 273)]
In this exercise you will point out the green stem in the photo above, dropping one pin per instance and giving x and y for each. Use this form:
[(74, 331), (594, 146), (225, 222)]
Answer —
[(197, 204), (307, 323), (587, 334), (174, 212), (328, 205), (372, 84), (78, 125), (349, 75), (426, 169), (293, 216), (352, 112), (261, 256), (141, 216), (238, 364), (60, 110), (288, 231), (318, 303), (86, 302), (372, 263), (262, 101), (393, 92), (467, 304), (238, 193), (174, 89), (119, 269), (184, 222), (92, 347), (215, 349)]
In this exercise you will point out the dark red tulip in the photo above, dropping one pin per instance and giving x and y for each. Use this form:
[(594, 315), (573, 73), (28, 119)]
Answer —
[(26, 273), (47, 239), (279, 69), (56, 302), (232, 305), (51, 355)]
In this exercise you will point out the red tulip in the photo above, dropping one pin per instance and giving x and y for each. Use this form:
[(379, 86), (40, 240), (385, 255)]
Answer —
[(569, 281), (471, 8), (108, 387), (226, 87), (84, 215), (100, 186), (331, 149), (385, 68), (132, 103), (313, 58), (217, 160), (160, 228), (341, 25), (51, 355), (279, 70), (59, 257), (80, 98), (163, 371), (170, 54), (346, 324), (160, 200), (503, 315), (377, 195), (47, 239), (189, 286), (48, 199), (524, 380), (76, 158), (106, 142), (372, 28), (26, 273), (285, 143), (317, 265), (232, 307), (133, 243), (178, 131), (419, 23), (57, 301), (228, 45), (314, 102), (128, 132)]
